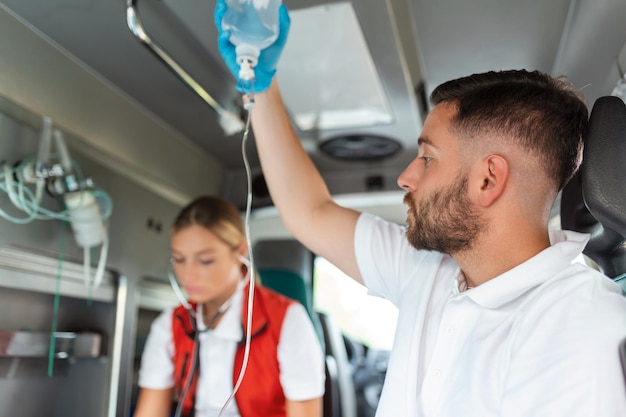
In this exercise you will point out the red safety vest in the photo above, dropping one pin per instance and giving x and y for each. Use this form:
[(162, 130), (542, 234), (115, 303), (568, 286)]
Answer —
[(260, 392)]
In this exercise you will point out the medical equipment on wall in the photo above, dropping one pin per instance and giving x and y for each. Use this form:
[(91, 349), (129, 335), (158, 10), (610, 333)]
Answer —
[(85, 206)]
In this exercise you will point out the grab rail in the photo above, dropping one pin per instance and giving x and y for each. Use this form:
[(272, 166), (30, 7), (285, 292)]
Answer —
[(229, 121)]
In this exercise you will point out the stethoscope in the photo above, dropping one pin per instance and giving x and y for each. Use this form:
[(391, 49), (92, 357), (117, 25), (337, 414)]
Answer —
[(193, 319)]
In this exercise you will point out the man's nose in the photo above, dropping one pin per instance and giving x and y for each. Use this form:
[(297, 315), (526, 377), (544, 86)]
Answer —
[(407, 180)]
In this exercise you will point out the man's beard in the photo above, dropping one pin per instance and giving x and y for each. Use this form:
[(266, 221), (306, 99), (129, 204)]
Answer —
[(444, 221)]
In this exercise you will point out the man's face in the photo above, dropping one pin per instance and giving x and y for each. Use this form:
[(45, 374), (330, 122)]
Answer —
[(444, 220), (441, 215)]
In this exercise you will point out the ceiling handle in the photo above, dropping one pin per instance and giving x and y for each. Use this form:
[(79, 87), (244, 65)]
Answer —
[(230, 122)]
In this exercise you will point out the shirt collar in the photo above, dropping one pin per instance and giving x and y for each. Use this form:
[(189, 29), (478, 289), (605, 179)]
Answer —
[(565, 247)]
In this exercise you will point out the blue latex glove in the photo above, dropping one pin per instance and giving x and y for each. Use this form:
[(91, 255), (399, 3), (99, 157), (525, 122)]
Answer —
[(268, 59)]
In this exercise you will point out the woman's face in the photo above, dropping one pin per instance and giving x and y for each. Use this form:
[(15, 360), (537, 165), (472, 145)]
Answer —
[(206, 267)]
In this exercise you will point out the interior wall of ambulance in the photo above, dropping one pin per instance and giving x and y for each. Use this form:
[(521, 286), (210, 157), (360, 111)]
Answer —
[(115, 142)]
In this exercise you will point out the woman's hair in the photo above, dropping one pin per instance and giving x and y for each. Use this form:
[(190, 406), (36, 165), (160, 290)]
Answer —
[(217, 215), (543, 115)]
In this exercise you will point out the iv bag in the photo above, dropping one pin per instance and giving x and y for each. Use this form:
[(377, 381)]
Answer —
[(253, 26)]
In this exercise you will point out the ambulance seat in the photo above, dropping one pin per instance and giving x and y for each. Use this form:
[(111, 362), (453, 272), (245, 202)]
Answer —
[(286, 266), (595, 200)]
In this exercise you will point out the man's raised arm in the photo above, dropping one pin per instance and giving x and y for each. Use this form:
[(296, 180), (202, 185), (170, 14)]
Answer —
[(295, 184), (297, 188)]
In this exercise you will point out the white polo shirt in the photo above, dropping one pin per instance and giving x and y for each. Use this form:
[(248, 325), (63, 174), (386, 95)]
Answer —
[(299, 354), (539, 340)]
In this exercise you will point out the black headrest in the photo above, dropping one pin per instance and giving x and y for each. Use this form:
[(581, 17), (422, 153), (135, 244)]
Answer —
[(604, 164), (594, 201)]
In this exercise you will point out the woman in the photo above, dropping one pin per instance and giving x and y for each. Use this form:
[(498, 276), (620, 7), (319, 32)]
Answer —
[(284, 371)]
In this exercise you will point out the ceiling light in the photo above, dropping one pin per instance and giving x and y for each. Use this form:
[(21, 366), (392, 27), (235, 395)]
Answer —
[(327, 74)]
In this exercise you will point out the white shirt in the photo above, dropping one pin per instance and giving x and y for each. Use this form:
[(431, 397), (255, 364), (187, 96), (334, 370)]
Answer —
[(299, 354), (539, 340)]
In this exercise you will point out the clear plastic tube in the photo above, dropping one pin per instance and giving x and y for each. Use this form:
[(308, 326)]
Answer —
[(64, 154), (87, 209), (250, 266), (7, 185), (99, 274), (43, 157), (45, 138), (24, 199)]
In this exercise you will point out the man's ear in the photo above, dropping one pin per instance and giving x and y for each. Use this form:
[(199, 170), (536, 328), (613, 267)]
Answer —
[(494, 176)]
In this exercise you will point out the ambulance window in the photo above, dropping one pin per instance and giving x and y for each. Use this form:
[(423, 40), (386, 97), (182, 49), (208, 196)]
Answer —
[(365, 319)]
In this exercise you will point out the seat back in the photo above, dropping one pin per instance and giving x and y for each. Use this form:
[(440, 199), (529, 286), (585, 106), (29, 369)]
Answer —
[(594, 201), (286, 266), (604, 178)]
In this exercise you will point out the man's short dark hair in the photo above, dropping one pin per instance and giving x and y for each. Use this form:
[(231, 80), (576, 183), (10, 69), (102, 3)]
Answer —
[(544, 114)]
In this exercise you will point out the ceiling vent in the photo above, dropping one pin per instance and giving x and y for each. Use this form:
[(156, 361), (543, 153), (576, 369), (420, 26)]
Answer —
[(360, 147)]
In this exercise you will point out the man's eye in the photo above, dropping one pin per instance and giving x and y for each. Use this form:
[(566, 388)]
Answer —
[(176, 261), (206, 261), (426, 159)]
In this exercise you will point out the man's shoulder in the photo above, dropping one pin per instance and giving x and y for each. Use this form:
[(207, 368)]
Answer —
[(579, 293), (581, 281)]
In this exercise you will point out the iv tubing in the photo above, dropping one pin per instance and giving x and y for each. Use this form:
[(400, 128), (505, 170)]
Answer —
[(13, 182), (249, 276), (250, 267), (24, 199), (57, 296), (9, 189), (97, 280)]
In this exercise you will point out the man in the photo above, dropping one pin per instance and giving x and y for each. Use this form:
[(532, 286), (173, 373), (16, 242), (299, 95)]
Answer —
[(495, 316)]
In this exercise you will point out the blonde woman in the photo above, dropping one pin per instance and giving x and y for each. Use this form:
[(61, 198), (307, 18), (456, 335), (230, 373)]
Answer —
[(195, 352)]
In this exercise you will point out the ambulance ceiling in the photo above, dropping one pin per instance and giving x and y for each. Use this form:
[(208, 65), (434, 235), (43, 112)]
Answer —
[(361, 68)]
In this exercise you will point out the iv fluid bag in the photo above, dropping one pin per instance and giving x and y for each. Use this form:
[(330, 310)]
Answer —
[(253, 26)]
